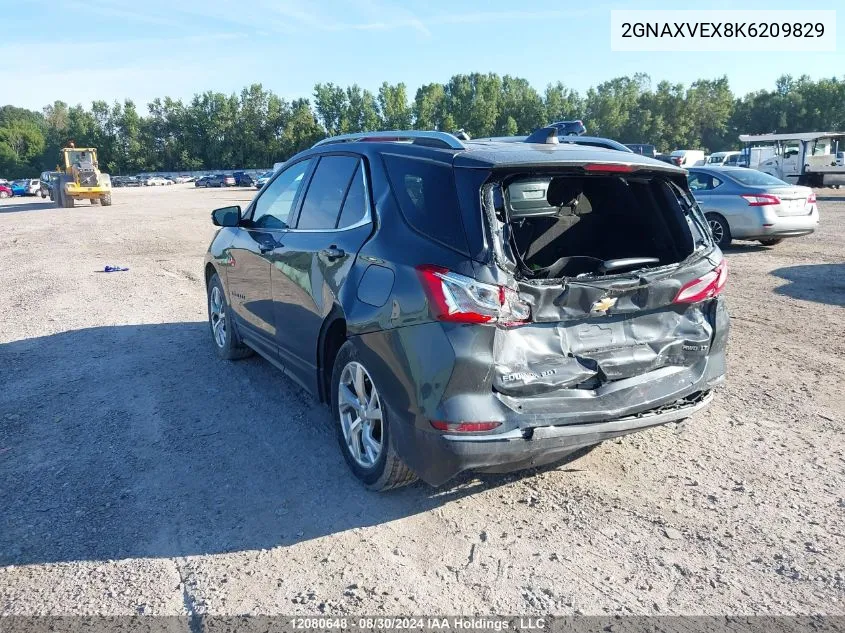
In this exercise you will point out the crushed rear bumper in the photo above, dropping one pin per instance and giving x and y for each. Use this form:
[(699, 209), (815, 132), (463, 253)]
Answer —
[(437, 457)]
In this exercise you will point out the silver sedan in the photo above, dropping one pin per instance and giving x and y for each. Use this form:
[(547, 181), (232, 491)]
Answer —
[(750, 205)]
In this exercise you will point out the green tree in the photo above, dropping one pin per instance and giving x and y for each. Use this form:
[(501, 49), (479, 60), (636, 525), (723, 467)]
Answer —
[(429, 108), (331, 105), (396, 114)]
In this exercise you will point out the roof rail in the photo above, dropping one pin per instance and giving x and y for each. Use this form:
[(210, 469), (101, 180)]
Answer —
[(431, 138)]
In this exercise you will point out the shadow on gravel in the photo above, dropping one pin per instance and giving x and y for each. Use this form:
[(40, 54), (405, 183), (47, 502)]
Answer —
[(745, 247), (136, 441), (26, 206), (822, 283)]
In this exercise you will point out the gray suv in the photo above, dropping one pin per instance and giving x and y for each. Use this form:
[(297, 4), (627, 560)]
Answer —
[(474, 305)]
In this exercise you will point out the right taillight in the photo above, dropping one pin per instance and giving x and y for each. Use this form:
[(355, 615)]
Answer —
[(705, 287), (461, 299), (811, 199), (760, 200)]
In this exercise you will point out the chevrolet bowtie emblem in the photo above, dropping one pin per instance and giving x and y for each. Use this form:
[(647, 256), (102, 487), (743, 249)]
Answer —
[(603, 305)]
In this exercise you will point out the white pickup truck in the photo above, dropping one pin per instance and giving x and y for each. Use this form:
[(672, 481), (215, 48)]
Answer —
[(807, 158)]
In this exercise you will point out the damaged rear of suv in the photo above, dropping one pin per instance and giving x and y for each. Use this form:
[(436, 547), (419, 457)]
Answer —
[(511, 304), (597, 308)]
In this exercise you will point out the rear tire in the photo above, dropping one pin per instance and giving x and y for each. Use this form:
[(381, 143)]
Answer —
[(105, 200), (224, 334), (378, 470), (772, 242), (95, 201), (720, 229), (3, 194)]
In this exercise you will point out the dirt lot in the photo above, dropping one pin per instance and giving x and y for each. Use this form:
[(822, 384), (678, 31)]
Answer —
[(140, 475)]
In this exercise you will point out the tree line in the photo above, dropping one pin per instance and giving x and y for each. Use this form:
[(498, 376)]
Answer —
[(257, 127)]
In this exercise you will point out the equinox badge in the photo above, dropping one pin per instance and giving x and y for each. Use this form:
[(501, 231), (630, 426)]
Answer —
[(603, 305)]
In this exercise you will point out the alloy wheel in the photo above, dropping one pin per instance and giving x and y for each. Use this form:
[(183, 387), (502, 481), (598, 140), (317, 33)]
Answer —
[(217, 315), (717, 229), (359, 406)]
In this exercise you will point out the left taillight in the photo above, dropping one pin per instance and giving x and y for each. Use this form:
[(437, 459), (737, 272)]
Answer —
[(760, 199), (705, 287), (460, 299)]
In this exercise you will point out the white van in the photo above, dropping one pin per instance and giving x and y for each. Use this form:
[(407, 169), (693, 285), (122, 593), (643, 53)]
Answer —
[(688, 157), (723, 159)]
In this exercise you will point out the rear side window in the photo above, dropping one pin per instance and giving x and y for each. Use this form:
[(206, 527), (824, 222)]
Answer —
[(425, 191), (321, 207)]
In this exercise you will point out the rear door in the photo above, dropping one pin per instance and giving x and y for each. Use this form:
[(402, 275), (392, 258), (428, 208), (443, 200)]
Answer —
[(311, 265), (248, 275)]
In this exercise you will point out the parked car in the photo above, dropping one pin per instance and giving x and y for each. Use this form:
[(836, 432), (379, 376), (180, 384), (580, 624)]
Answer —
[(750, 205), (220, 180), (439, 346), (246, 180), (668, 158), (263, 179), (202, 181), (642, 148), (157, 181), (567, 128), (26, 187), (687, 157), (178, 180), (5, 191)]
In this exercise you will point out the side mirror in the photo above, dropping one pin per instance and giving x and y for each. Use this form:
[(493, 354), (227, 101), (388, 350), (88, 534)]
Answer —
[(227, 216)]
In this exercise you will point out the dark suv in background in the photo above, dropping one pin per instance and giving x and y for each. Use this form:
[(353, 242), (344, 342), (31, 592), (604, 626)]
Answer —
[(480, 305)]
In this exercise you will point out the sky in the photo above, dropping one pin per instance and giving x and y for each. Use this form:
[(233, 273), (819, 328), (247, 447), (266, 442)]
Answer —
[(81, 50)]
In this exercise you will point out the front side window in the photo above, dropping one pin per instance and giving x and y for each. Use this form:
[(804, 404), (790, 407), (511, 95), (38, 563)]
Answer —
[(275, 203), (326, 193)]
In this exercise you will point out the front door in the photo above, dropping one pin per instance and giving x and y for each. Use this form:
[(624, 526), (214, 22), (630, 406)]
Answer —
[(262, 232), (308, 271), (792, 161)]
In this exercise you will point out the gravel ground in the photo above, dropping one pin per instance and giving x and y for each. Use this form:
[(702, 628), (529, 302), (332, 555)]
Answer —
[(138, 474)]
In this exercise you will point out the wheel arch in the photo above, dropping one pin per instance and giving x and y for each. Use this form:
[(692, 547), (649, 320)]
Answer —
[(333, 335), (209, 273)]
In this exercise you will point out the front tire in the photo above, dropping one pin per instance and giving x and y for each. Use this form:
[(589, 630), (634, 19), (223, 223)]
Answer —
[(105, 200), (227, 342), (720, 229), (363, 425), (772, 242)]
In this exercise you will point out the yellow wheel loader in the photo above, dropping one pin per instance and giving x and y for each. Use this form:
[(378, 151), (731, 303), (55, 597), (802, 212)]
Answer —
[(79, 178)]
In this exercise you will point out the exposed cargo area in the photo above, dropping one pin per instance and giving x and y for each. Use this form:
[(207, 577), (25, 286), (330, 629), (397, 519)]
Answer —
[(569, 225)]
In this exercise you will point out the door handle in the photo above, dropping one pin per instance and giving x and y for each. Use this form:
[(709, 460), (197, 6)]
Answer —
[(333, 252)]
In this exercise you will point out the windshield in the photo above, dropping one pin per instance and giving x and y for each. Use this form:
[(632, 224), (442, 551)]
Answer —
[(755, 178), (716, 159)]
